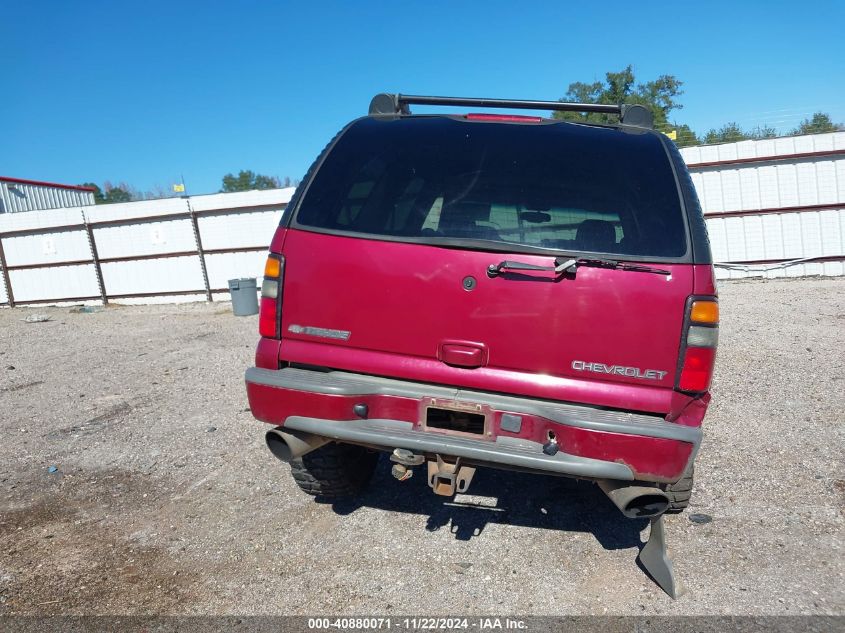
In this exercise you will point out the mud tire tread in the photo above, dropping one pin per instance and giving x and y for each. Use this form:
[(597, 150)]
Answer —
[(680, 492), (334, 470)]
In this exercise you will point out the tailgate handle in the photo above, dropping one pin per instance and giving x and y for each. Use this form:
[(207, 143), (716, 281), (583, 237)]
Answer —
[(463, 354)]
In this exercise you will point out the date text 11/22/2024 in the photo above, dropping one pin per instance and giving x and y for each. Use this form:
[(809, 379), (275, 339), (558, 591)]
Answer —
[(416, 623)]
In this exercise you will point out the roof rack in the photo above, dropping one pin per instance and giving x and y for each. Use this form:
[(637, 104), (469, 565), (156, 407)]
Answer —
[(628, 113)]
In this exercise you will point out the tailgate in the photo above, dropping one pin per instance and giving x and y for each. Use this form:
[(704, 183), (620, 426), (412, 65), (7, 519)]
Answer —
[(404, 304)]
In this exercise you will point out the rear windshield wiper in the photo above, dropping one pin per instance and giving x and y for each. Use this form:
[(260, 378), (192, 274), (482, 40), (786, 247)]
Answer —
[(563, 265), (572, 264)]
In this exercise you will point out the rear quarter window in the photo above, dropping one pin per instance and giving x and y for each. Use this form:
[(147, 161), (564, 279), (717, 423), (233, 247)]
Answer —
[(558, 187)]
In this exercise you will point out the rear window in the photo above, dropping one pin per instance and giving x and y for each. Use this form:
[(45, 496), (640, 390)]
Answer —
[(561, 187)]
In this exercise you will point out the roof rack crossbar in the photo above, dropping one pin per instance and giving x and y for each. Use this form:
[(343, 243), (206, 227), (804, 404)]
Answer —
[(522, 104), (630, 114)]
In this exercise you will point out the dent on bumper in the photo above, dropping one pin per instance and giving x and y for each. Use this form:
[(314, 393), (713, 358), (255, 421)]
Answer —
[(595, 443)]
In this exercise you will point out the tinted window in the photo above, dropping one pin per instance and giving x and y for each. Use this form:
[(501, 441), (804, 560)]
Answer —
[(555, 186)]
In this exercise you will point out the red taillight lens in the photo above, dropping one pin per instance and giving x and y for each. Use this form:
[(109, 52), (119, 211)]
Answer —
[(270, 309), (697, 369), (267, 325), (698, 346)]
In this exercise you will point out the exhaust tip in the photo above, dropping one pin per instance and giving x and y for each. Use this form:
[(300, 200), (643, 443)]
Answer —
[(646, 506), (636, 502), (278, 446)]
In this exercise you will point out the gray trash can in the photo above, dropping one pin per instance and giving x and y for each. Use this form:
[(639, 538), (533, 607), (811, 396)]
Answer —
[(244, 296)]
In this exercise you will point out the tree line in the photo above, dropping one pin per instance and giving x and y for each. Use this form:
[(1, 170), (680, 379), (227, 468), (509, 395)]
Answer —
[(661, 96), (246, 180)]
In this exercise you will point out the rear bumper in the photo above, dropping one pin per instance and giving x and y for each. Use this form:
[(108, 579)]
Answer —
[(594, 443)]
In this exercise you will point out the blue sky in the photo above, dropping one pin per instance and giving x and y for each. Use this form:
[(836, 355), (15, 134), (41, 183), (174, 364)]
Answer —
[(143, 92)]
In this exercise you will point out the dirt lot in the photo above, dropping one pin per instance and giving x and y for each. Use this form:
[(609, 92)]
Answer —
[(165, 500)]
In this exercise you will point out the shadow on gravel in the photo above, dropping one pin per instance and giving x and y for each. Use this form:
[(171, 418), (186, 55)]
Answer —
[(495, 496)]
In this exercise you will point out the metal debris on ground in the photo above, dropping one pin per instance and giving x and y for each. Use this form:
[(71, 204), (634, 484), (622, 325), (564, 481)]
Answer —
[(701, 519), (86, 309), (37, 318)]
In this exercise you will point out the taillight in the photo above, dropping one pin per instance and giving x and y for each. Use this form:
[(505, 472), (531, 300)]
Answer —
[(270, 310), (698, 346)]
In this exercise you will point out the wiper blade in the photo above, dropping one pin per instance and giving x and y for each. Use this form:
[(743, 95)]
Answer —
[(563, 265), (572, 264), (559, 268)]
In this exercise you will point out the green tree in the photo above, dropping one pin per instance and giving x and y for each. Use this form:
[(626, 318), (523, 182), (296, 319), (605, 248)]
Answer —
[(117, 193), (109, 193), (98, 193), (820, 123), (763, 131), (728, 133), (685, 136), (659, 95), (247, 181)]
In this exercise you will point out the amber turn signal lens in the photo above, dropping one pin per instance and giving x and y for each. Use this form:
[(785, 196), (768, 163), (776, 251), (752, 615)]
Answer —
[(704, 312), (272, 268)]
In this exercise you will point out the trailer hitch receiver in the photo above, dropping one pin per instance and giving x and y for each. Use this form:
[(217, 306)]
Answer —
[(446, 479)]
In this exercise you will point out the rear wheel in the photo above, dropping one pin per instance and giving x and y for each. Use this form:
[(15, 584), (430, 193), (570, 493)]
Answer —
[(679, 493), (334, 470)]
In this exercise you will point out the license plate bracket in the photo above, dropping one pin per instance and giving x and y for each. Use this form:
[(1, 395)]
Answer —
[(455, 417)]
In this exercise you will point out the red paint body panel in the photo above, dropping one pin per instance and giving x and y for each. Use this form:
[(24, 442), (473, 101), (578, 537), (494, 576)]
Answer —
[(704, 280), (651, 459), (401, 301), (601, 393), (267, 353)]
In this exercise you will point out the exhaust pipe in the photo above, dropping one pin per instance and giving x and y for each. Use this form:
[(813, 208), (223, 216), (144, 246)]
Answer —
[(287, 444), (635, 502)]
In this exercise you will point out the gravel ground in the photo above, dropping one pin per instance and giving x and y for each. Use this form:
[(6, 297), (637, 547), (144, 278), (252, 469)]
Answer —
[(165, 501)]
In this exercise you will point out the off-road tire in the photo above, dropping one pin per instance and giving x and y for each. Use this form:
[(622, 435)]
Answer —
[(334, 470), (679, 493)]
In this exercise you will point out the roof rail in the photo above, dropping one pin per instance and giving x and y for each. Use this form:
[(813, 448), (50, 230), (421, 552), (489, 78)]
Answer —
[(628, 113)]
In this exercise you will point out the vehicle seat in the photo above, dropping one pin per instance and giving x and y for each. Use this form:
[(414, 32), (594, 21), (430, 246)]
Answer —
[(462, 219), (596, 235)]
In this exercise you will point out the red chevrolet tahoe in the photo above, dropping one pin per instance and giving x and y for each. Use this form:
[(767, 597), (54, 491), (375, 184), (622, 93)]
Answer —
[(490, 290)]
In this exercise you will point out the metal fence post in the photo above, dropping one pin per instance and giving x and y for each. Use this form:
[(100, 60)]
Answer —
[(200, 251), (95, 258), (7, 282)]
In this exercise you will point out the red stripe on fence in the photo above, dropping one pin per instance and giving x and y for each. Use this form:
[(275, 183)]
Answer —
[(767, 159)]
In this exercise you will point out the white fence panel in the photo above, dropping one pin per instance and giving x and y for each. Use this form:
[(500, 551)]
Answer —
[(225, 266), (133, 230), (826, 269), (147, 251), (832, 227), (241, 230), (781, 236), (798, 186), (44, 242), (148, 238), (132, 210), (47, 248), (241, 199), (44, 284), (148, 277)]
